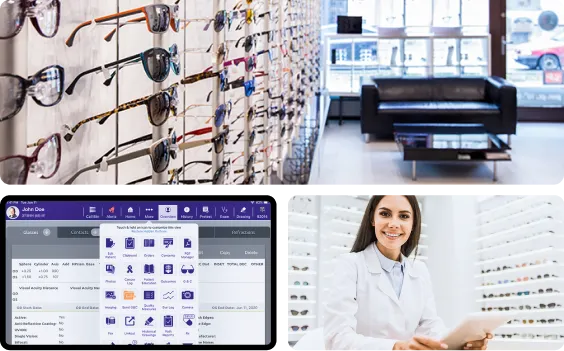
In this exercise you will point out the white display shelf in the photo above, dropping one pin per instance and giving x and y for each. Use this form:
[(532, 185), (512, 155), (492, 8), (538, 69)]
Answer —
[(343, 235), (509, 206), (340, 248), (301, 287), (297, 333), (302, 317), (517, 256), (303, 258), (530, 299), (524, 344), (504, 246), (534, 328), (522, 270), (532, 211), (303, 216), (303, 230), (538, 226), (302, 243), (293, 272), (340, 221), (343, 210), (302, 302), (424, 236), (530, 283), (423, 246)]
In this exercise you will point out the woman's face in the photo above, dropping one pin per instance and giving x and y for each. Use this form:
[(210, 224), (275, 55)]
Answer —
[(393, 221), (12, 212)]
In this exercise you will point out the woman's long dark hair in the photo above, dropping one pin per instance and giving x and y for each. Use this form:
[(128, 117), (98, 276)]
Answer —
[(366, 234)]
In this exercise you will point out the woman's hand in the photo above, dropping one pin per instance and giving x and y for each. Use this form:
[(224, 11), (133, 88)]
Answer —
[(478, 344), (420, 343)]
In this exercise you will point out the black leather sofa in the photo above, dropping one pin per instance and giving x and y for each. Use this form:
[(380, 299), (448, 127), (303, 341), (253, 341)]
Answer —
[(490, 101)]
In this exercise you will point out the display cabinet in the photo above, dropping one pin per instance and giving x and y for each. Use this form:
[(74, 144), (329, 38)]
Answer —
[(350, 59), (519, 270)]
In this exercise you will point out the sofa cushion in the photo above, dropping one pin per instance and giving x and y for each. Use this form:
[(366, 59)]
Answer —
[(431, 89), (460, 89), (438, 108)]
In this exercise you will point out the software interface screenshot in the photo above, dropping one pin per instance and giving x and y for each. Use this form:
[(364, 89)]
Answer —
[(138, 273)]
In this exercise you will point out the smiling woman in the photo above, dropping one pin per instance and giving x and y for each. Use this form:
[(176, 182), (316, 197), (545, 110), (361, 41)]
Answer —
[(380, 299), (393, 222)]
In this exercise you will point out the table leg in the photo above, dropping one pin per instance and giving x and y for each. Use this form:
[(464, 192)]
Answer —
[(495, 171), (414, 170)]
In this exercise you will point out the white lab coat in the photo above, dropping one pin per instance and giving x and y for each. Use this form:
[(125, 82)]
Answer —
[(364, 312)]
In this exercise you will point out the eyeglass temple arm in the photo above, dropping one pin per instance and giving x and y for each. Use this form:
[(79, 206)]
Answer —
[(70, 40), (114, 161), (110, 35), (72, 85), (108, 81), (147, 137)]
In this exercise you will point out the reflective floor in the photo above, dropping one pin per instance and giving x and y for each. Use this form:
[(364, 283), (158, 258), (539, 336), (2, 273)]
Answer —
[(344, 158)]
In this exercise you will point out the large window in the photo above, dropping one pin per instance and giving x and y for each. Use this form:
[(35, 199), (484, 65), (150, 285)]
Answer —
[(397, 40), (535, 51)]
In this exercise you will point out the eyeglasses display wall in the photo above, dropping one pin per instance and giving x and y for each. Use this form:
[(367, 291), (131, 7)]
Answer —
[(321, 228), (226, 87), (520, 269)]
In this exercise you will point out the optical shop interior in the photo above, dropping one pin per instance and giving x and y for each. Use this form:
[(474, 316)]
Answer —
[(162, 92), (394, 69), (395, 272)]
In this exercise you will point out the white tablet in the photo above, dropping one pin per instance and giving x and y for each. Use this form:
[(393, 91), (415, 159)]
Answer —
[(475, 327)]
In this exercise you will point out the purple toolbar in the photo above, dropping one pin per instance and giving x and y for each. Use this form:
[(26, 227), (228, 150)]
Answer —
[(145, 211)]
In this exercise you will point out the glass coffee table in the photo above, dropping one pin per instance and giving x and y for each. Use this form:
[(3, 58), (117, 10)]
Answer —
[(449, 142)]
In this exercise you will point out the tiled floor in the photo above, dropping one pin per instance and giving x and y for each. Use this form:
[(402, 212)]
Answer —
[(344, 158)]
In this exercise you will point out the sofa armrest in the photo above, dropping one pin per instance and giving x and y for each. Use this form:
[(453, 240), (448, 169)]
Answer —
[(369, 102), (504, 95)]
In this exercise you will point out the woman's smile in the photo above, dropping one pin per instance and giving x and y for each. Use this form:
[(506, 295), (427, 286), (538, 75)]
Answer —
[(392, 236)]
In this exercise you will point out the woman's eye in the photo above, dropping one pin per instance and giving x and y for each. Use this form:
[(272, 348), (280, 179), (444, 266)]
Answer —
[(384, 214), (404, 216)]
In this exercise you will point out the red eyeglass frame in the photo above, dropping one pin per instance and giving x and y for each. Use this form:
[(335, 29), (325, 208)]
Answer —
[(29, 160)]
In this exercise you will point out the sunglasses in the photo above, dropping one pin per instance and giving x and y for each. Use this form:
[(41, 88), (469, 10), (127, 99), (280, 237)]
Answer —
[(295, 297), (159, 107), (295, 268), (160, 153), (157, 63), (248, 44), (158, 17), (250, 62), (295, 313), (45, 87), (296, 328), (219, 177), (44, 162), (44, 15), (205, 75), (249, 86)]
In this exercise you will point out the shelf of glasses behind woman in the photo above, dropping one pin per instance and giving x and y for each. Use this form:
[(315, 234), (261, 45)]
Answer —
[(522, 227), (529, 337), (550, 253), (528, 210), (495, 204), (534, 239)]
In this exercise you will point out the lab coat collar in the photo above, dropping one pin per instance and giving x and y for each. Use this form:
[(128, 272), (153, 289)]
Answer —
[(373, 262), (373, 266)]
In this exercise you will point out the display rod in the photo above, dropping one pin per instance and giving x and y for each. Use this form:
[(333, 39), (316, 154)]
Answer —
[(217, 160), (184, 74), (247, 123), (280, 166), (13, 135), (161, 131), (265, 121)]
